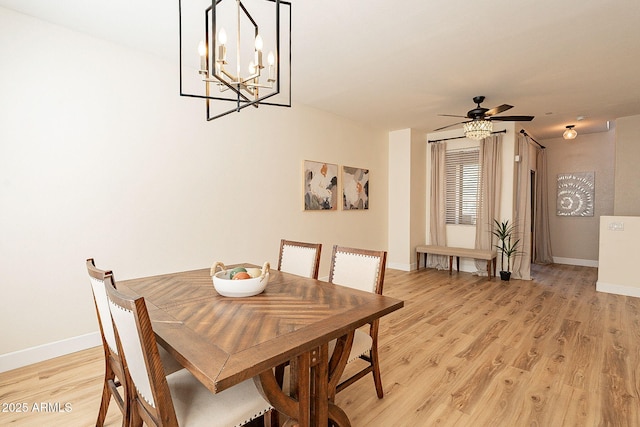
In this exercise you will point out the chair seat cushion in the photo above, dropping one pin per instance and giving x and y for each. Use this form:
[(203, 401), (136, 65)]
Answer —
[(362, 343), (195, 405)]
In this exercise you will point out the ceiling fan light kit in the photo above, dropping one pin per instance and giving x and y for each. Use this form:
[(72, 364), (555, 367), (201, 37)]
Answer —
[(477, 129), (570, 133)]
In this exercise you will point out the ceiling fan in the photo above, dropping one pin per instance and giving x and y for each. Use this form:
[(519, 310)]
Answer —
[(481, 115)]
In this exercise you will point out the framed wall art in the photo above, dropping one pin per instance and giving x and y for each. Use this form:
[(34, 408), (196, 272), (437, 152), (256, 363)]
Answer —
[(320, 186), (355, 188), (575, 194)]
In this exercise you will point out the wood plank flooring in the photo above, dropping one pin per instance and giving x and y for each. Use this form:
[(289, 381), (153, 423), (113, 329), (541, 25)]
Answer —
[(464, 351)]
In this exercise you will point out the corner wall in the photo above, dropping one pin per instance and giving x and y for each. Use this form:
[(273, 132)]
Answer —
[(574, 240), (99, 157), (627, 175), (407, 197)]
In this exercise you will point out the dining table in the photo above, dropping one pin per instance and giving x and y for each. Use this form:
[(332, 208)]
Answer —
[(223, 341)]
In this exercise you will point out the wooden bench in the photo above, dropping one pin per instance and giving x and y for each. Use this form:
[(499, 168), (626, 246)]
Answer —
[(484, 254)]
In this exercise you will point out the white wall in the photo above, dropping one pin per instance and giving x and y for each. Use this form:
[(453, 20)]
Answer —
[(399, 199), (407, 197), (100, 157), (619, 236), (419, 194)]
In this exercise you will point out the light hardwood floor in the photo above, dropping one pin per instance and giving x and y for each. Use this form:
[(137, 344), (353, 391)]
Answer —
[(464, 351)]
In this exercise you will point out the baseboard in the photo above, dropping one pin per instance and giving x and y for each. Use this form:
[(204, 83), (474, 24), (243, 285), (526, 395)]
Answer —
[(28, 356), (576, 261), (401, 266), (610, 288)]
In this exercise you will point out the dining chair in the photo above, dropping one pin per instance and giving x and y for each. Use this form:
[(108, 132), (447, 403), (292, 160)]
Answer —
[(175, 399), (364, 270), (114, 373), (300, 258)]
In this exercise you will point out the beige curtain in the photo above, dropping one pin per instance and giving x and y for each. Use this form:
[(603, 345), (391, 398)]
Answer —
[(437, 226), (489, 208), (541, 236), (521, 263)]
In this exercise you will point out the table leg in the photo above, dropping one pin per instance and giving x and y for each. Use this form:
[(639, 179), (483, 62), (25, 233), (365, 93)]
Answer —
[(338, 362), (311, 390), (319, 397), (268, 386), (301, 387), (338, 416), (450, 264)]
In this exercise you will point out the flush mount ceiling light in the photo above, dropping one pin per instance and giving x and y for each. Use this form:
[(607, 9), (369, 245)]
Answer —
[(222, 59), (477, 129), (570, 133)]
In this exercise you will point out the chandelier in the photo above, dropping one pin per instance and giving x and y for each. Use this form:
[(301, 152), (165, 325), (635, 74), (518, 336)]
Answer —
[(477, 129), (222, 53)]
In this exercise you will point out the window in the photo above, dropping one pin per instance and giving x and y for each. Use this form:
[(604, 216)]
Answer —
[(462, 168)]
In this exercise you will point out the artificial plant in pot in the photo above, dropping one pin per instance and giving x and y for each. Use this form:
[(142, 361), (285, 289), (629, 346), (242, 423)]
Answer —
[(507, 244)]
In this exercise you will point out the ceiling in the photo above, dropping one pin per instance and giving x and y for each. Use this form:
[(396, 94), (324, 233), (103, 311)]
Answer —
[(398, 64)]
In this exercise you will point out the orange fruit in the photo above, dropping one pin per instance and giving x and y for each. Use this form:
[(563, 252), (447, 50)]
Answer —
[(241, 275)]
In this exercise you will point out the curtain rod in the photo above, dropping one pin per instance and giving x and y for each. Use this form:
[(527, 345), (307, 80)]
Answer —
[(522, 131), (461, 137)]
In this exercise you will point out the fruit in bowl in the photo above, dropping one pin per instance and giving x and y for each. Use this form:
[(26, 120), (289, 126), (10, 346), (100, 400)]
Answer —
[(239, 281), (241, 276)]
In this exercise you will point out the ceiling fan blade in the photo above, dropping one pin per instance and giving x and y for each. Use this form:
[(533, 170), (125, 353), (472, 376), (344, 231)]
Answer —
[(452, 115), (448, 126), (497, 110), (513, 118)]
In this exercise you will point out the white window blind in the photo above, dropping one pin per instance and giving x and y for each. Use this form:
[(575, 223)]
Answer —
[(462, 186)]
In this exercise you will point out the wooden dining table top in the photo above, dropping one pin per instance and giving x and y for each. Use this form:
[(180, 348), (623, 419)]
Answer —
[(224, 341)]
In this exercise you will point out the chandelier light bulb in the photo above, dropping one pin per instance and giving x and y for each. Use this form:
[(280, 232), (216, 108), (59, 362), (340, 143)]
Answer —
[(271, 60), (222, 37), (222, 49), (202, 51), (258, 54)]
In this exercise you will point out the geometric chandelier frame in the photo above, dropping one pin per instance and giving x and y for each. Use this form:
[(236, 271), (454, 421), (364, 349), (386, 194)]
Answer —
[(221, 53)]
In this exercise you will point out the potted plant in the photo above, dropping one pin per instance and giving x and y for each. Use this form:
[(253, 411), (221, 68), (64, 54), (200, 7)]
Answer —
[(507, 245)]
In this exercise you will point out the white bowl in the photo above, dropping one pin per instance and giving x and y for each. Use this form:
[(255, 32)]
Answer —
[(241, 287)]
